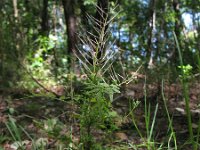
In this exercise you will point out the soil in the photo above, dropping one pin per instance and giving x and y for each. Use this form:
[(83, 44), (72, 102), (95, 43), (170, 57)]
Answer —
[(29, 110)]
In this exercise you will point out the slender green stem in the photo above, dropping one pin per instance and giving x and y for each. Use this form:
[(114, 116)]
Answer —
[(185, 93), (146, 110), (173, 134)]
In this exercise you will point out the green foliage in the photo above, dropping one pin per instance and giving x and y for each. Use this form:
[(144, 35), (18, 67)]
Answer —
[(102, 89), (186, 70), (13, 129), (16, 134), (44, 46), (96, 109), (89, 2)]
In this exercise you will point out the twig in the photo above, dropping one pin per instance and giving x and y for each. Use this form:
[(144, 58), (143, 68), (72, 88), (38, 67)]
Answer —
[(37, 82)]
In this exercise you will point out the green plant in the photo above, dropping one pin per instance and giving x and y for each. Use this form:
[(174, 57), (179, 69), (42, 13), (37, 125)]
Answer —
[(173, 134), (3, 138), (44, 62), (15, 132), (96, 109), (148, 141), (149, 127), (185, 70)]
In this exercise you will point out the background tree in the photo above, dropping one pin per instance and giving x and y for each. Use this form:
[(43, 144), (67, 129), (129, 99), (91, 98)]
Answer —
[(70, 20), (44, 18), (142, 29)]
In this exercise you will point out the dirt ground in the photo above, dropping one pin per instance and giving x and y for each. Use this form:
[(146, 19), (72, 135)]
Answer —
[(29, 109)]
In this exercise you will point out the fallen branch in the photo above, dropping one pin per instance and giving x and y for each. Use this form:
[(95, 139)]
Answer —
[(38, 83)]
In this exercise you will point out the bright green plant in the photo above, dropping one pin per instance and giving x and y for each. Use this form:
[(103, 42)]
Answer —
[(96, 110), (186, 70)]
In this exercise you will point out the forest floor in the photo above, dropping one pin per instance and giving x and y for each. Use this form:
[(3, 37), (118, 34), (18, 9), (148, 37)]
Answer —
[(33, 112)]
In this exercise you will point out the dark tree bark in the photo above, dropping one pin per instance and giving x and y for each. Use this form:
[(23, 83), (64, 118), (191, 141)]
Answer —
[(70, 20), (26, 3), (176, 7), (44, 23), (83, 14)]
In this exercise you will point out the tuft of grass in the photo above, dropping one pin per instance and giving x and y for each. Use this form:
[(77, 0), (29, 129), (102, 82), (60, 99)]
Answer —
[(170, 120), (148, 140), (149, 127)]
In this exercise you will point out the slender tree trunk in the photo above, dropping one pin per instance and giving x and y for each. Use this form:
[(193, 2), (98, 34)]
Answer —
[(83, 14), (177, 29), (15, 8), (17, 38), (70, 20), (44, 23), (151, 36), (26, 3)]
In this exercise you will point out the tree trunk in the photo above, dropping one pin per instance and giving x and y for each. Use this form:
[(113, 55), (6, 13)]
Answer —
[(177, 29), (83, 14), (70, 21), (151, 34), (15, 9), (44, 23)]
